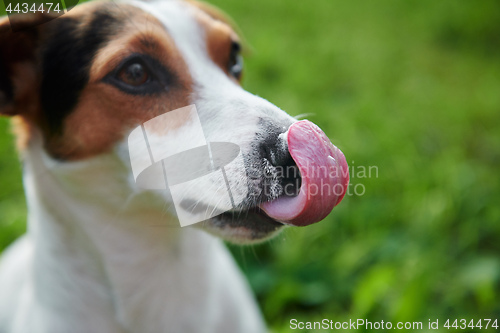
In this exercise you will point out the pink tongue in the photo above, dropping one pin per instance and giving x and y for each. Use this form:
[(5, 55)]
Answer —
[(324, 172)]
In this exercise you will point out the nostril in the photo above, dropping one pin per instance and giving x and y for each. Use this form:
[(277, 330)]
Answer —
[(286, 172), (291, 180), (275, 150)]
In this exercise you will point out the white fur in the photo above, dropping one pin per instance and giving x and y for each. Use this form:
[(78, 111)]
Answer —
[(96, 259)]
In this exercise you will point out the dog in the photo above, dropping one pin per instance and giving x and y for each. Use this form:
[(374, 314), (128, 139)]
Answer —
[(102, 254)]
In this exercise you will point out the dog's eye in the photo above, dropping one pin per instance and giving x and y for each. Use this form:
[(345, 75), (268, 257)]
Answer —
[(134, 74), (235, 66), (141, 74)]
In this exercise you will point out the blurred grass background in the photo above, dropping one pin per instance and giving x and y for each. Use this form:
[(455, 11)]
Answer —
[(410, 87)]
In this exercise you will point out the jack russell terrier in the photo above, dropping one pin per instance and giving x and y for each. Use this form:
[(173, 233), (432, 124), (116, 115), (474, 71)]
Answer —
[(102, 254)]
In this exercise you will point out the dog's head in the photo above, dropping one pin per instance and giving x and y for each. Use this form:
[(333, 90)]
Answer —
[(85, 81)]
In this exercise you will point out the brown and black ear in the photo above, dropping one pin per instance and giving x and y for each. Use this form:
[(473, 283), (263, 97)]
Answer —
[(18, 72)]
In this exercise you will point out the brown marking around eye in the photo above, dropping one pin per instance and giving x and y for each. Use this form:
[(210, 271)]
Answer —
[(104, 113)]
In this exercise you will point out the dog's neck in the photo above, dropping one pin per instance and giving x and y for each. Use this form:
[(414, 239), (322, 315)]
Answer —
[(100, 248)]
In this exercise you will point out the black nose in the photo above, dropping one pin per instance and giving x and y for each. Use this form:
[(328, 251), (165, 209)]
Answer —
[(280, 170)]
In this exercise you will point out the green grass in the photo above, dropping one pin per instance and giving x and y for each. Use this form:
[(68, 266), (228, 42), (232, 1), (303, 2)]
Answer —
[(411, 87)]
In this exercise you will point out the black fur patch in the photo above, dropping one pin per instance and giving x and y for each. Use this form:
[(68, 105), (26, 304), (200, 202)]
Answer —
[(66, 61), (6, 89)]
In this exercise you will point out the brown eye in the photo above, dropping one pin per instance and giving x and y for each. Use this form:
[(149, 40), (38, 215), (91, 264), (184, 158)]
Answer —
[(141, 74), (134, 74)]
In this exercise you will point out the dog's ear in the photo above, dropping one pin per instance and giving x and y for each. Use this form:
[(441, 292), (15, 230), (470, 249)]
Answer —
[(18, 61)]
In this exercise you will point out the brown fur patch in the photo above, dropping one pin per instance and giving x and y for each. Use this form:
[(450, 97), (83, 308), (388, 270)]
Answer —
[(220, 33), (23, 130), (17, 54), (104, 113), (17, 58)]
